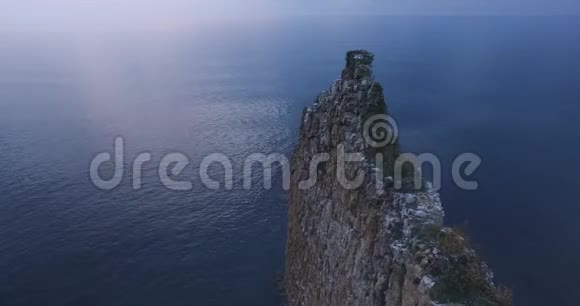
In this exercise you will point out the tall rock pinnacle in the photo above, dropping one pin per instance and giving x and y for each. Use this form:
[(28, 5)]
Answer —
[(355, 239)]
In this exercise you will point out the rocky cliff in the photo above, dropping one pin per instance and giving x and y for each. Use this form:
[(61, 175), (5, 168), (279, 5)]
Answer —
[(354, 238)]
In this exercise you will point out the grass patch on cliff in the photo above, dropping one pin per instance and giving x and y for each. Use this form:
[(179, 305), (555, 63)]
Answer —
[(467, 284), (428, 232), (390, 151), (359, 59), (464, 279)]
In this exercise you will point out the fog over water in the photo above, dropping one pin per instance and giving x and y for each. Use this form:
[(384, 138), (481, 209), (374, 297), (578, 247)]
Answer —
[(112, 15)]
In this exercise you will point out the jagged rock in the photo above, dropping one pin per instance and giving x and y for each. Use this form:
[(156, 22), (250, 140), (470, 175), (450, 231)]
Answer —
[(371, 245)]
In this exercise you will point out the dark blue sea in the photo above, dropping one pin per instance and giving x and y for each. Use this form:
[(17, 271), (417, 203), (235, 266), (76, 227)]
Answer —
[(505, 88)]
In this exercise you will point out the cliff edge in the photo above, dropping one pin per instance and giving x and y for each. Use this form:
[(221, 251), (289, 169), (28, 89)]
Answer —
[(354, 238)]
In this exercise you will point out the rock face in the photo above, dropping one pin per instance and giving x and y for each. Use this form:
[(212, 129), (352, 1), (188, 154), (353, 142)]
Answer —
[(369, 243)]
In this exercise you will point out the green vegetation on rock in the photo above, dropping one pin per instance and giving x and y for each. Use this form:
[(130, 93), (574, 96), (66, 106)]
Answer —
[(464, 278)]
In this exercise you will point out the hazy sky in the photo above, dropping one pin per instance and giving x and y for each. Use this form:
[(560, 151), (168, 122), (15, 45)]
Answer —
[(86, 13)]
